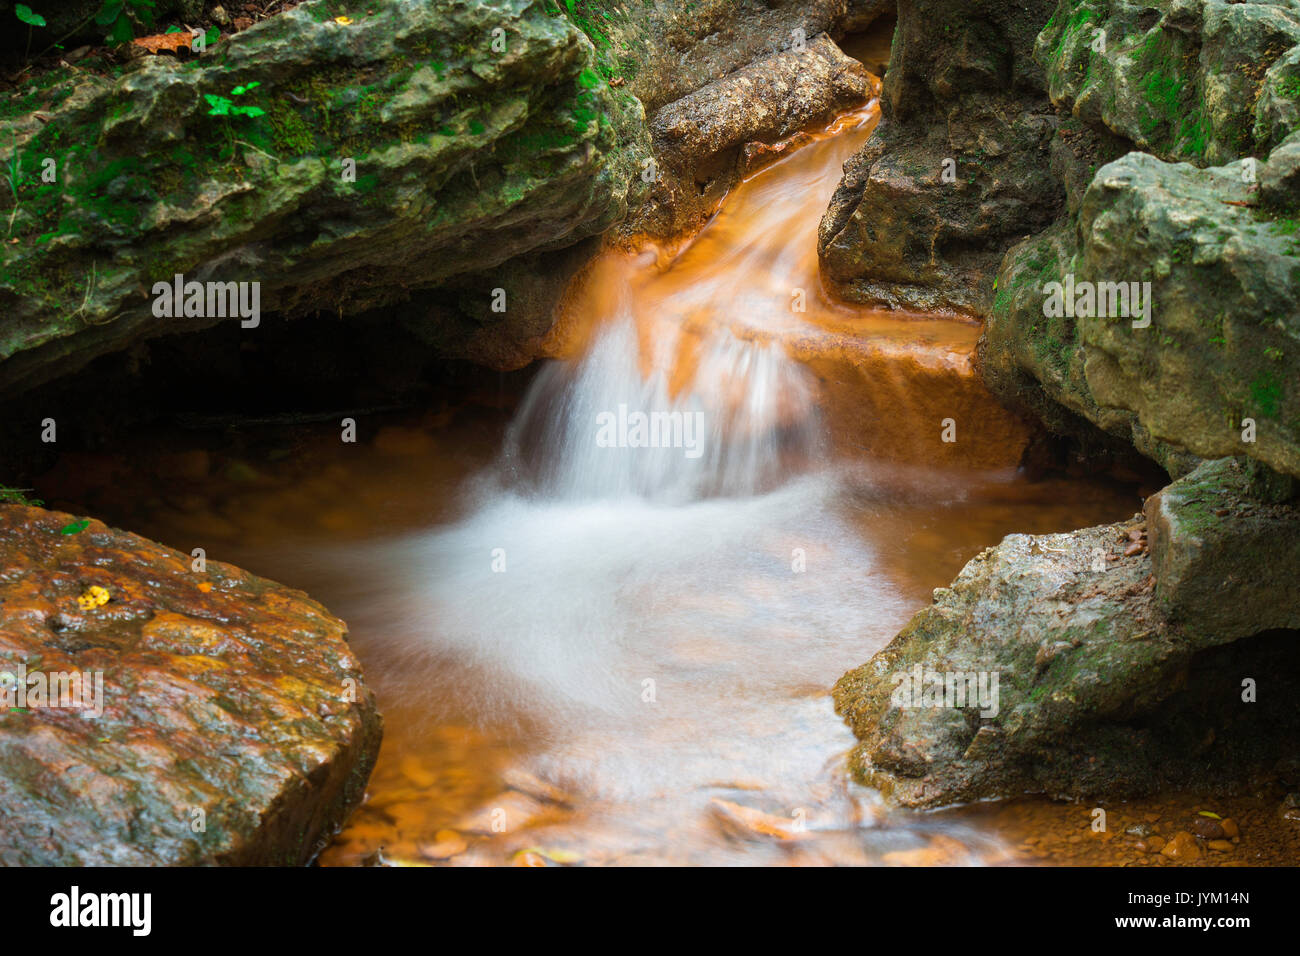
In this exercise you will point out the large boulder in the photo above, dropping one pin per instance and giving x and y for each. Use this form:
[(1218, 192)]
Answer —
[(1119, 666), (470, 148), (958, 169), (234, 723), (1212, 370), (1199, 80), (1179, 159)]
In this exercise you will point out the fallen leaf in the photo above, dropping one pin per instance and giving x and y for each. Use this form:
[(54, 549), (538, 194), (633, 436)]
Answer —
[(160, 42)]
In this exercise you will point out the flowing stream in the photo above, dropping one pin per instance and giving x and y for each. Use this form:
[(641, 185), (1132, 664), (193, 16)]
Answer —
[(611, 640)]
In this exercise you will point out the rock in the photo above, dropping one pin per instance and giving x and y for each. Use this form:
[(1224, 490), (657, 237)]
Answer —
[(240, 706), (1207, 827), (963, 96), (447, 843), (699, 139), (464, 158), (508, 812), (535, 787), (1224, 575), (1230, 828), (1102, 690), (1183, 80), (1155, 843), (1221, 846), (1182, 847), (747, 822), (1209, 375)]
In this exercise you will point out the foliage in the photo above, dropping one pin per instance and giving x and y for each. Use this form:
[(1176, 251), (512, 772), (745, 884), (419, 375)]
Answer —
[(18, 496), (120, 17), (223, 106), (25, 14)]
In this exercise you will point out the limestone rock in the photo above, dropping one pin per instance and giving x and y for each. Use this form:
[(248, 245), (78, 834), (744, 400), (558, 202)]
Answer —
[(465, 157), (958, 169), (236, 726), (698, 139)]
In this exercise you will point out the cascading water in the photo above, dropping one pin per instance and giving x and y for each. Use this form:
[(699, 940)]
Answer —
[(611, 637), (659, 579)]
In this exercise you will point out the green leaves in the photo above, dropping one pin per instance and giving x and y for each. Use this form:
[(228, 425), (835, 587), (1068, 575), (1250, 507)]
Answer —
[(76, 526), (220, 105), (25, 14), (119, 17), (224, 106)]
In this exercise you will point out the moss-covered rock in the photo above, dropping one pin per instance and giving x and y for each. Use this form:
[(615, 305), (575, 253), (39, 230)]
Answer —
[(1118, 672), (470, 147), (1214, 372), (1196, 80)]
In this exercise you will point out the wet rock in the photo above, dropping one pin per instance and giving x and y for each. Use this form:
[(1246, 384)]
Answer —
[(1230, 828), (1225, 566), (963, 96), (445, 845), (1207, 827), (699, 139), (236, 726), (1128, 700), (1182, 847), (747, 822)]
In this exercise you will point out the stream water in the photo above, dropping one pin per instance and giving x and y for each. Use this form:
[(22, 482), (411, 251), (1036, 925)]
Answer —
[(589, 650)]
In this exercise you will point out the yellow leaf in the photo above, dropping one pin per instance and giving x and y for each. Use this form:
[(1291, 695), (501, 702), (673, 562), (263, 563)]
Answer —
[(343, 20), (95, 596)]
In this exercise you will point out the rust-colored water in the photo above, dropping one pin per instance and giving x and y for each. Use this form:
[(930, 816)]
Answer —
[(623, 655)]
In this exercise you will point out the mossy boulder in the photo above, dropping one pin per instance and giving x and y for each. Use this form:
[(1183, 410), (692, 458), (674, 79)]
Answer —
[(1225, 563), (470, 147), (1196, 80), (1214, 373), (1107, 684)]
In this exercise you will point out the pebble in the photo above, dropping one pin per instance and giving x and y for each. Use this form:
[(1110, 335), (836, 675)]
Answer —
[(1208, 828), (1223, 846), (1182, 847), (1230, 828)]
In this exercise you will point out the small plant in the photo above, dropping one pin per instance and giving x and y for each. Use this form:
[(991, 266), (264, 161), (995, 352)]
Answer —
[(227, 107), (33, 20), (18, 496), (222, 106)]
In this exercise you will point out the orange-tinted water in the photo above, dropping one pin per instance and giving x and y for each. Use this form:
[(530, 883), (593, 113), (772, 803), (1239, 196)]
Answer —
[(618, 655)]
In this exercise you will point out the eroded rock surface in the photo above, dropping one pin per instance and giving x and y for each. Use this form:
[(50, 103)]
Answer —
[(958, 169), (465, 157), (1120, 653), (236, 726), (699, 139)]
